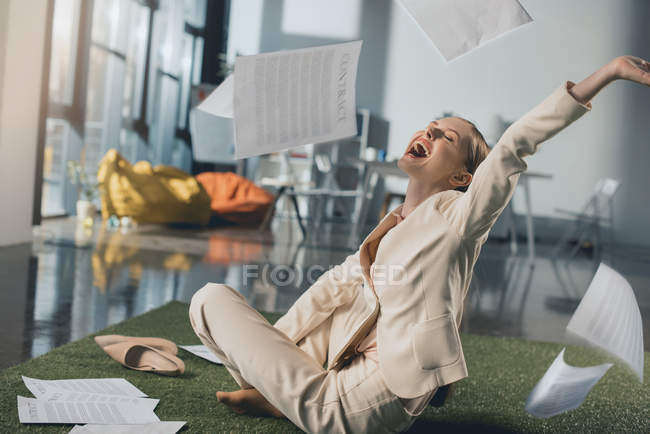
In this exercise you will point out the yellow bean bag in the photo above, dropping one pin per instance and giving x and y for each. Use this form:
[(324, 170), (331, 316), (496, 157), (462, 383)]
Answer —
[(161, 194), (116, 250)]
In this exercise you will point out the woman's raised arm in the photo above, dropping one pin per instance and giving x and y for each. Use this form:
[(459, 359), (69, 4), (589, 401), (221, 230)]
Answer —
[(621, 68), (495, 179)]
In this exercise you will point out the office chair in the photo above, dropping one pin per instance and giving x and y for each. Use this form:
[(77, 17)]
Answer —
[(598, 211)]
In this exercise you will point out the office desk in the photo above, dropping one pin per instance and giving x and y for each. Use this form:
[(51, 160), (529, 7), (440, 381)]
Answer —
[(376, 169)]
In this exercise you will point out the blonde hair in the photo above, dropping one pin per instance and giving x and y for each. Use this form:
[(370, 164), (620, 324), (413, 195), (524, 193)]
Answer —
[(477, 150)]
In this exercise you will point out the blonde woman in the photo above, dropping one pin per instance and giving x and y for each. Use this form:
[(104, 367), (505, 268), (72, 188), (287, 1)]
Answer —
[(385, 322)]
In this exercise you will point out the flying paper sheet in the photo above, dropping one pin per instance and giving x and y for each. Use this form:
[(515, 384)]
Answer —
[(203, 352), (212, 137), (150, 428), (32, 410), (458, 26), (220, 101), (608, 316), (211, 125), (292, 98), (108, 386), (563, 387)]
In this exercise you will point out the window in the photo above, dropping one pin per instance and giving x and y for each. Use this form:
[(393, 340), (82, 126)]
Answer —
[(116, 82)]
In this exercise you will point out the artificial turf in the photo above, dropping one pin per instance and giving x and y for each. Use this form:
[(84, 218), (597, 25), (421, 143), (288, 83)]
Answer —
[(502, 373)]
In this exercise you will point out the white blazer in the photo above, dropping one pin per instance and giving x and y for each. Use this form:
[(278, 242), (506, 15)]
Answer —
[(431, 255)]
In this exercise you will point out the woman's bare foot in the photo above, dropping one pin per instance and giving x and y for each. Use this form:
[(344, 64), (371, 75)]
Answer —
[(249, 401)]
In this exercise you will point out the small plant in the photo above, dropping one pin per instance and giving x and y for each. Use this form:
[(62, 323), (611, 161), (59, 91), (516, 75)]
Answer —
[(225, 68), (86, 185)]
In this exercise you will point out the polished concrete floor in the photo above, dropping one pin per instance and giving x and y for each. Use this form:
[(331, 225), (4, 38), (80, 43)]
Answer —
[(72, 281)]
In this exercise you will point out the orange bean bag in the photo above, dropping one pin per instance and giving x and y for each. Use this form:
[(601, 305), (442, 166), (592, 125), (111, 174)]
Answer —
[(226, 251), (235, 198)]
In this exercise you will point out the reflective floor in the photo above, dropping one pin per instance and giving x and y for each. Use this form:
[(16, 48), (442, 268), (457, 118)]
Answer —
[(72, 281)]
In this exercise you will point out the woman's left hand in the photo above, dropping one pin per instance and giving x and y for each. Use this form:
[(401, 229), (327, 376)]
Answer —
[(623, 67), (631, 68)]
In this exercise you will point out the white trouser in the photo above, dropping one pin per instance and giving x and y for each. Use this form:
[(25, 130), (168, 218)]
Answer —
[(354, 399)]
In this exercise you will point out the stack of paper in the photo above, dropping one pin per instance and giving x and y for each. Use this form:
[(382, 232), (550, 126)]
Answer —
[(281, 100), (108, 402)]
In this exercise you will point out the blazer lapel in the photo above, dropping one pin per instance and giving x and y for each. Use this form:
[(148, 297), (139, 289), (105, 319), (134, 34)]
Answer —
[(368, 248)]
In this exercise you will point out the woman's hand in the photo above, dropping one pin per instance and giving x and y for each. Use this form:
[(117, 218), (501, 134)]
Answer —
[(631, 68), (621, 68)]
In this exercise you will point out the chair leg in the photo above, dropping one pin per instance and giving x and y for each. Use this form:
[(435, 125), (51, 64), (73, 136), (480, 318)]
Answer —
[(513, 230), (596, 243), (565, 237), (319, 212), (295, 206), (610, 228), (266, 223), (370, 183), (579, 242)]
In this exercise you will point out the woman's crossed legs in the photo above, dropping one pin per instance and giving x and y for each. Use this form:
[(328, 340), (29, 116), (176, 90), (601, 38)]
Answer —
[(290, 380)]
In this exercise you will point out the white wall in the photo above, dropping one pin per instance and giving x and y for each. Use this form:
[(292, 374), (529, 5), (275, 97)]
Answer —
[(23, 23), (245, 27), (4, 15), (568, 40), (404, 81)]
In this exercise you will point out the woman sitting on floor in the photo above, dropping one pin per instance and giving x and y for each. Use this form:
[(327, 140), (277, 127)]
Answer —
[(386, 320)]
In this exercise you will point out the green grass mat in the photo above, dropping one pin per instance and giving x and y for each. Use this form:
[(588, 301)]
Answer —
[(502, 373)]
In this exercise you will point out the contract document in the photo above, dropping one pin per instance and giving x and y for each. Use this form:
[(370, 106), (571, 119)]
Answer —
[(458, 26), (32, 410), (107, 386), (150, 428), (608, 316), (563, 388), (292, 98), (203, 352)]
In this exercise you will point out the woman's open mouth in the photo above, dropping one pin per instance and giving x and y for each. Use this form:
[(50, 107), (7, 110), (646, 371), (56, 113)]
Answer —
[(418, 150)]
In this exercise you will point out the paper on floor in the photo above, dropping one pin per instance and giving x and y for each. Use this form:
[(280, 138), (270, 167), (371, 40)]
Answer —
[(609, 317), (292, 98), (150, 428), (32, 410), (458, 26), (563, 387), (109, 386), (63, 395), (203, 352)]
